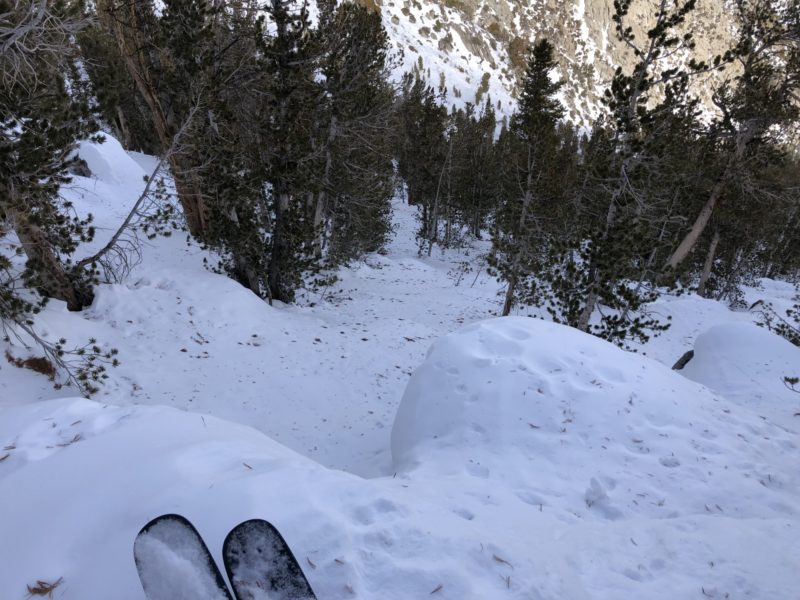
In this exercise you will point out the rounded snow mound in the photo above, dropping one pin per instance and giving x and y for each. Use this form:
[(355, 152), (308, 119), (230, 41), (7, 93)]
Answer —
[(110, 163), (571, 421), (746, 364)]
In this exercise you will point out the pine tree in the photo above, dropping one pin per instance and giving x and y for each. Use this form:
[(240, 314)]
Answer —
[(120, 105), (286, 154), (539, 109), (227, 149), (756, 108), (531, 147), (422, 151), (651, 113), (287, 128), (155, 58), (353, 203), (44, 112), (472, 172)]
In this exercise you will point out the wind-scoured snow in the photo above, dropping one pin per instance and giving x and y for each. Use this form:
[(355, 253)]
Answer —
[(404, 442)]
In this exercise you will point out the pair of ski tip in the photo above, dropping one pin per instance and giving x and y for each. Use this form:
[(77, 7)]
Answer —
[(174, 563)]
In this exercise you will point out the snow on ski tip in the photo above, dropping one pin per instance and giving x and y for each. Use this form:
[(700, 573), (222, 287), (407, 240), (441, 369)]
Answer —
[(174, 562)]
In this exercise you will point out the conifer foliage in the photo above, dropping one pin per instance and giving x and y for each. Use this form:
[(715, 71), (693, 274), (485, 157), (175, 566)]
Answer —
[(531, 149), (595, 241), (447, 162), (286, 141), (44, 112), (287, 167)]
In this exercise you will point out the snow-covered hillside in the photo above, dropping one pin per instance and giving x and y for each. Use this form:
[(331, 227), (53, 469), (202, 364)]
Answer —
[(404, 441), (473, 49)]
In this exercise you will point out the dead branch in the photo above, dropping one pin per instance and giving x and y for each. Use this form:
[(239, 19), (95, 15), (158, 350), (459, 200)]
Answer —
[(113, 244)]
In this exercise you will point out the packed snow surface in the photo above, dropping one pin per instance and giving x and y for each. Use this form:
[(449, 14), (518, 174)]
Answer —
[(516, 459)]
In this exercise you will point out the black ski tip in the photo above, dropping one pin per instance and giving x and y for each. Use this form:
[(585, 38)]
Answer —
[(260, 564)]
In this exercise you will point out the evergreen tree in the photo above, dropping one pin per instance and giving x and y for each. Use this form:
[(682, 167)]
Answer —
[(44, 112), (538, 110), (287, 128), (354, 199), (119, 103), (227, 149), (422, 151), (531, 148), (472, 175), (651, 114), (286, 155), (756, 108), (154, 58)]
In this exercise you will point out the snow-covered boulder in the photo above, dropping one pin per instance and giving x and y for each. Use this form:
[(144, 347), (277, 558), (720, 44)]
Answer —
[(746, 364), (573, 422)]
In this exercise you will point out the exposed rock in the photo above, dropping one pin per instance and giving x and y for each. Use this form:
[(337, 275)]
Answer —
[(479, 36), (683, 360)]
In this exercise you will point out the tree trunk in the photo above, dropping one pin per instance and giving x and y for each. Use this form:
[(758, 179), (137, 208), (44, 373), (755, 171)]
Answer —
[(125, 135), (433, 232), (448, 228), (131, 46), (746, 135), (322, 198), (593, 297), (699, 225), (280, 250), (509, 302), (527, 198), (246, 274), (708, 265), (781, 246), (56, 282), (588, 309), (320, 209), (729, 287)]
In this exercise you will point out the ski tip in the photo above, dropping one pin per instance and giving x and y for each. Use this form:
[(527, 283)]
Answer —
[(259, 561), (174, 562), (167, 517)]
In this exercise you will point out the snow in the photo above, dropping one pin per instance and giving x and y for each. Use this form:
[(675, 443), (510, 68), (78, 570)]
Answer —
[(109, 162), (174, 564), (404, 442), (324, 380), (747, 364), (575, 424)]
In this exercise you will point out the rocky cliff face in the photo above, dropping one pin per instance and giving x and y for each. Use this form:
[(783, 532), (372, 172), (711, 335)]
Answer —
[(474, 48)]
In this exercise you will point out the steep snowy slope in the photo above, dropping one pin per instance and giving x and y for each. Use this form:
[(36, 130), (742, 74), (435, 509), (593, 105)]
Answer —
[(325, 380), (475, 48), (530, 460)]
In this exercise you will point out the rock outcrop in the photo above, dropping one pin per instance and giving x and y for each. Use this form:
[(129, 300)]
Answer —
[(470, 48)]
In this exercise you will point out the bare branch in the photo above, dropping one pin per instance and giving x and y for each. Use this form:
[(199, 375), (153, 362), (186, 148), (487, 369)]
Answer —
[(114, 241)]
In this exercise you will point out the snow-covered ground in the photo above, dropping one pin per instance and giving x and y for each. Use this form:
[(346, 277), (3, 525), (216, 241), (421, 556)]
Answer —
[(527, 460)]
